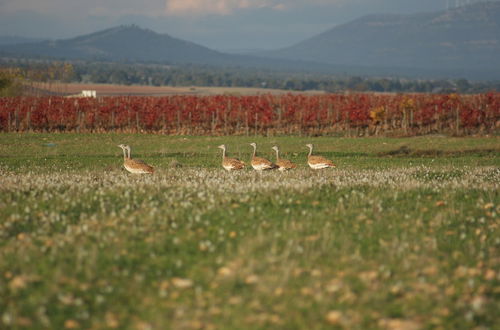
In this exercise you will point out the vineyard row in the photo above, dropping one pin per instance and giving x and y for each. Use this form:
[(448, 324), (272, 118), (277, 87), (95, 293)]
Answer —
[(353, 114)]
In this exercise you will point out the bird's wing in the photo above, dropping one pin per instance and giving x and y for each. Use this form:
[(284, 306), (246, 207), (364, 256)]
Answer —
[(258, 161), (320, 160), (285, 163), (234, 163), (262, 162), (139, 165)]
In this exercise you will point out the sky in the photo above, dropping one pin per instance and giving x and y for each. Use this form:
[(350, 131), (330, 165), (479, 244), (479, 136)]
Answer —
[(226, 25)]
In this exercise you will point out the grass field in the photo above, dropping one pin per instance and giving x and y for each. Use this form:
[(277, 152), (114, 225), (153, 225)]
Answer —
[(114, 90), (403, 234)]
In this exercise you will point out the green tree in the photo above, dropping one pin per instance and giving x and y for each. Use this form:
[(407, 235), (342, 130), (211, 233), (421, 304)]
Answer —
[(463, 85), (11, 82)]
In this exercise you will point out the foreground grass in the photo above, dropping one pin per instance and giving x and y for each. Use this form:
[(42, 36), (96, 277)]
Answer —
[(389, 240)]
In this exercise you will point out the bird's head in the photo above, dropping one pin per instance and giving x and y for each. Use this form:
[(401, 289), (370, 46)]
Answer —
[(123, 146), (275, 148), (222, 146), (310, 146), (253, 144)]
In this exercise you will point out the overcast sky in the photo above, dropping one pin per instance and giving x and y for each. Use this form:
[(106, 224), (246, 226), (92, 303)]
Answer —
[(218, 24)]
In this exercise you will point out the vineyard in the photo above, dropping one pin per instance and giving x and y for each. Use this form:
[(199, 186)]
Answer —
[(346, 114)]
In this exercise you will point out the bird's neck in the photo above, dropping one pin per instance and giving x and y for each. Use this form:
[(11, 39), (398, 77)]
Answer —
[(124, 154), (310, 152), (223, 153), (277, 155), (254, 152)]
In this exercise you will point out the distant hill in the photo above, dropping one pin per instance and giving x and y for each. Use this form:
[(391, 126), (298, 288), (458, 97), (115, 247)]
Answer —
[(134, 44), (129, 43), (464, 39), (13, 40)]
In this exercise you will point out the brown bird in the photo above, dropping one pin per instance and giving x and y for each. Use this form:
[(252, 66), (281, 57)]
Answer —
[(283, 164), (135, 166), (318, 162), (261, 164), (230, 164)]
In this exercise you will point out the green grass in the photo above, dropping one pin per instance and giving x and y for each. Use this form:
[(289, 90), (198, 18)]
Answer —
[(403, 234), (68, 152)]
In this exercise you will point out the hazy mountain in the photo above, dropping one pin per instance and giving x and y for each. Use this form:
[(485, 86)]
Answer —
[(466, 39), (134, 44), (14, 40), (129, 43)]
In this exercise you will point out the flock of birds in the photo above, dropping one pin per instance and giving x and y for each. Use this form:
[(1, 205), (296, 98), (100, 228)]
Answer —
[(233, 164)]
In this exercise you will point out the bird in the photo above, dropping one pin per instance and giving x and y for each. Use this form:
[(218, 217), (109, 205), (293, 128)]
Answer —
[(283, 164), (318, 162), (230, 164), (261, 164), (135, 166)]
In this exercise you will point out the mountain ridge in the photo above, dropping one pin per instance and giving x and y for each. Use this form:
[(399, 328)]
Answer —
[(125, 42), (467, 36), (13, 40)]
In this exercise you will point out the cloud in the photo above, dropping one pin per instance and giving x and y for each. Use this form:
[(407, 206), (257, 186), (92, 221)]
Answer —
[(207, 7), (73, 8), (226, 7)]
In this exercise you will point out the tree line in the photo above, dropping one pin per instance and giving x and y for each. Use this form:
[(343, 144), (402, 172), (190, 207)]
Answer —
[(200, 75)]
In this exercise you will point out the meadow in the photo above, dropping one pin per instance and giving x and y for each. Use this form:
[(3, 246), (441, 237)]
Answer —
[(403, 234)]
